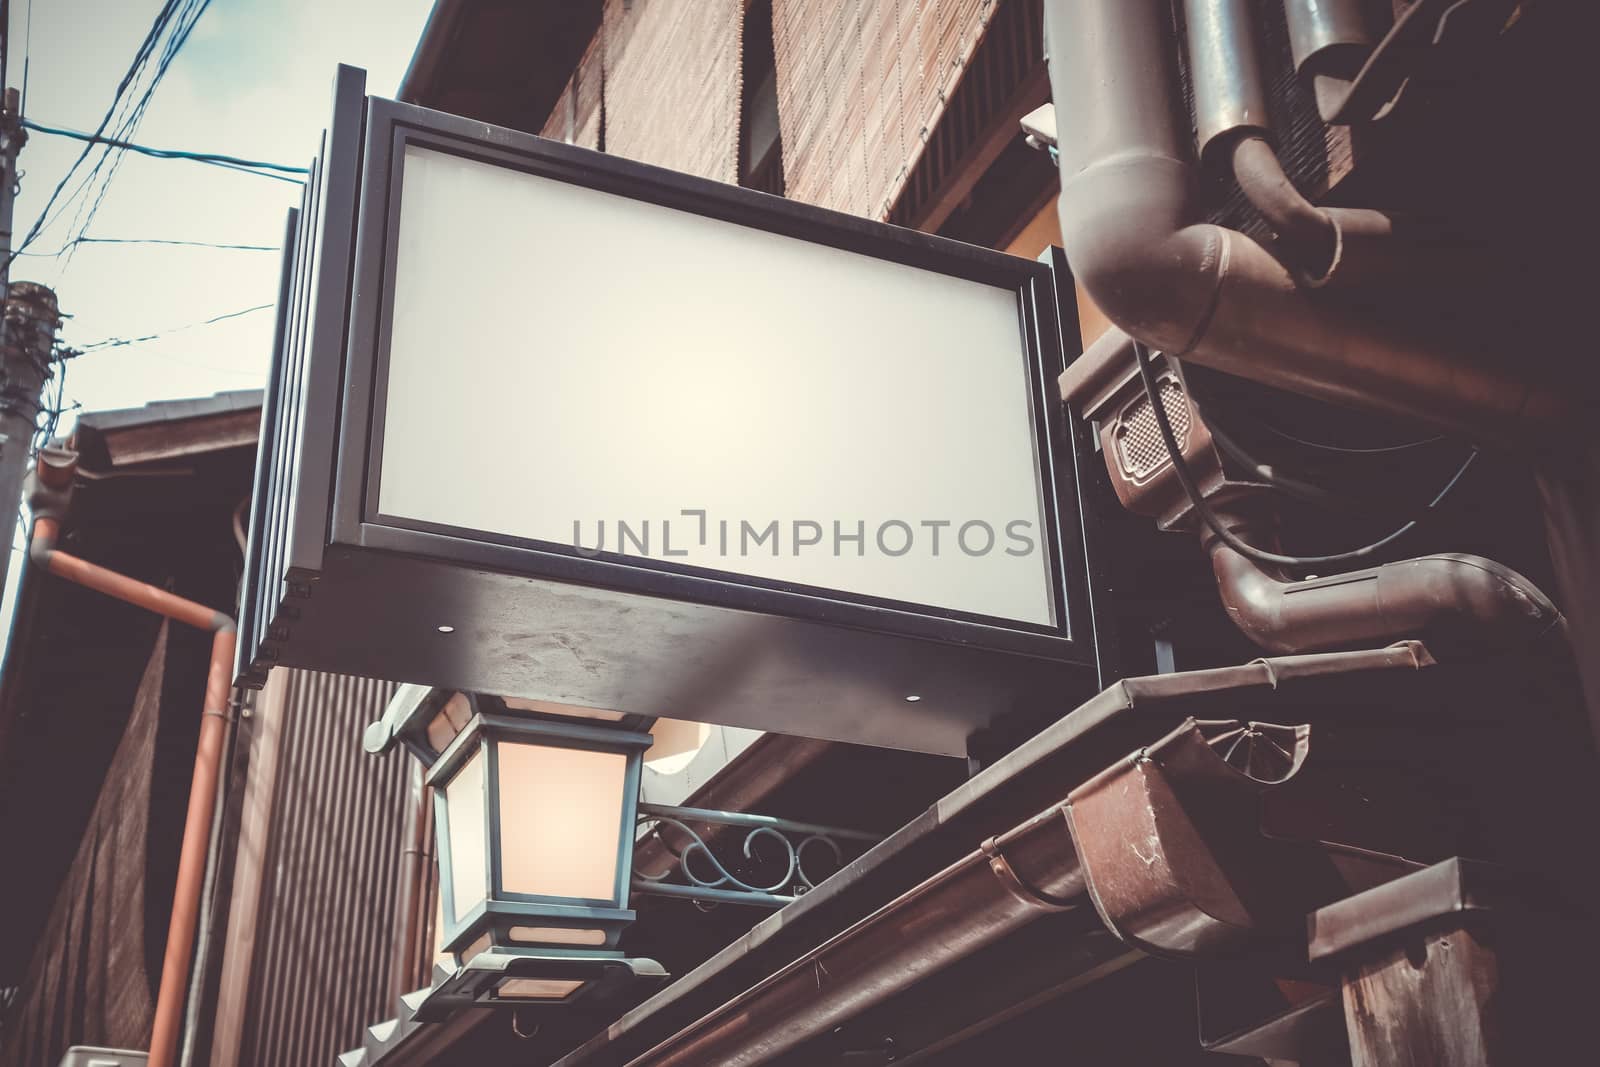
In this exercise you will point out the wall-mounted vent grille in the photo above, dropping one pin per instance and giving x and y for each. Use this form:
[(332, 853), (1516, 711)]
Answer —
[(1140, 450)]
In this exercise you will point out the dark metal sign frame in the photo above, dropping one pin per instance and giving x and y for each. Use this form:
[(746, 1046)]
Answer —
[(320, 530)]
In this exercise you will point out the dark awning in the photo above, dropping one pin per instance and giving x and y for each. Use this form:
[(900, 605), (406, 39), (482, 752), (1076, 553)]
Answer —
[(501, 61)]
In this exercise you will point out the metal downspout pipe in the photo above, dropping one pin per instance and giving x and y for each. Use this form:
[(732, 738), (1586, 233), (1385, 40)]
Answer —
[(1329, 42), (1007, 883), (49, 490), (1340, 246), (1198, 291), (414, 871), (1456, 603)]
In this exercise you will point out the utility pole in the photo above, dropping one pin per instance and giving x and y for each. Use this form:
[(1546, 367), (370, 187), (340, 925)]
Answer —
[(27, 336)]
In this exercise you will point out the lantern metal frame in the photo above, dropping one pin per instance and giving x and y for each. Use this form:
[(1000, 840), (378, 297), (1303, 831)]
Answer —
[(410, 712), (477, 982), (487, 955), (501, 910)]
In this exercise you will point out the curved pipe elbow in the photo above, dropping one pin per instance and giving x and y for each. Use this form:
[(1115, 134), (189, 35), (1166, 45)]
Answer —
[(1465, 601), (42, 542), (1125, 226), (1128, 192), (1454, 603)]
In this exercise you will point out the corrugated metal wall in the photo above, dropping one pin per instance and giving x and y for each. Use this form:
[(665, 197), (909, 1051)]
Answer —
[(324, 931)]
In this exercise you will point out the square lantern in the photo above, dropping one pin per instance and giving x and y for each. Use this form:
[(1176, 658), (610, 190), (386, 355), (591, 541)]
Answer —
[(535, 820), (544, 420)]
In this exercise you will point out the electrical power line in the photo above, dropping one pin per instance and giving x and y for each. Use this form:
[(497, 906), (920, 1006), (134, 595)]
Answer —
[(186, 19), (151, 240), (140, 57), (120, 342), (154, 241), (250, 165)]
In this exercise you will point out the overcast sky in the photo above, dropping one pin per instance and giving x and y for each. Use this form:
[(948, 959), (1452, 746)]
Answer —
[(253, 81)]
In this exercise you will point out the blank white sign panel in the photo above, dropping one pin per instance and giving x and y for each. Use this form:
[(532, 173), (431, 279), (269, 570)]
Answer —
[(562, 358)]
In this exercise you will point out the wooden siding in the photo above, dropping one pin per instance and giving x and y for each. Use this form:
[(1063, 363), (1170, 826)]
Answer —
[(861, 86), (673, 74)]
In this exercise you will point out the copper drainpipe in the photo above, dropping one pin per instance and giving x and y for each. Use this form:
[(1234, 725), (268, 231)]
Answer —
[(49, 489), (405, 973)]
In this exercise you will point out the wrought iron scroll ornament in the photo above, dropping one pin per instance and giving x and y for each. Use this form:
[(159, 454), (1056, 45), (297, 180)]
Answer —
[(775, 854)]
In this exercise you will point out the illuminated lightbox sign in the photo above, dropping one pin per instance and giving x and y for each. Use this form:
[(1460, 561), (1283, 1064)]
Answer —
[(554, 424)]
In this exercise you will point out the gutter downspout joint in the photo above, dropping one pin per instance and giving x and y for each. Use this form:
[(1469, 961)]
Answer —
[(49, 494), (1453, 601)]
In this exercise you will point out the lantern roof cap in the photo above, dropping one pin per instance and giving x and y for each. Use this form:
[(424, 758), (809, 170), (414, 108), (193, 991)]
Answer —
[(408, 710)]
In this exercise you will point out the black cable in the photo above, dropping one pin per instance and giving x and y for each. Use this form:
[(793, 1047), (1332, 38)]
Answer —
[(1307, 491), (1346, 450), (161, 153), (1304, 491), (45, 432), (1180, 467)]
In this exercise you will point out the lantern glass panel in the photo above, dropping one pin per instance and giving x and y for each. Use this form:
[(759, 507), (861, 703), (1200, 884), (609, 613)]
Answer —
[(557, 935), (560, 820), (450, 721), (537, 988), (570, 711), (465, 810)]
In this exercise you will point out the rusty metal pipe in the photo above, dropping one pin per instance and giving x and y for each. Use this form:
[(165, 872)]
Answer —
[(1455, 603), (1128, 210), (1319, 26), (49, 489), (1230, 97), (1308, 230), (1009, 882), (1329, 41), (1321, 246), (1346, 247), (43, 553)]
